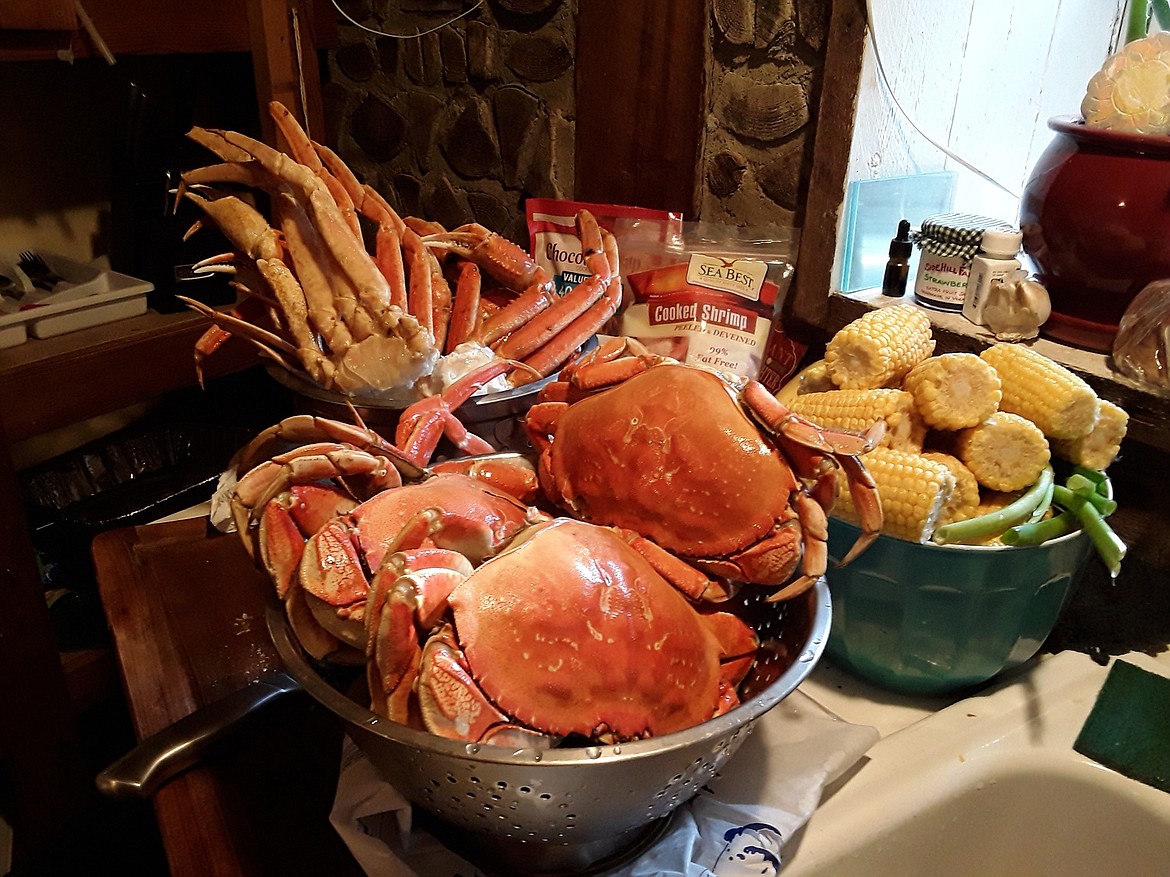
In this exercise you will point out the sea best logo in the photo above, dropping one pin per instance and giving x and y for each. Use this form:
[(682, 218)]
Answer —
[(742, 277)]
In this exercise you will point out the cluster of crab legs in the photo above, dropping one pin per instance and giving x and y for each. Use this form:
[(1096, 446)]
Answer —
[(316, 301), (483, 617)]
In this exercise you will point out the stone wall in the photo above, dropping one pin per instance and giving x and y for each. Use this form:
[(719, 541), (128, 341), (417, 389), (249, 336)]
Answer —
[(462, 123), (764, 74), (469, 120)]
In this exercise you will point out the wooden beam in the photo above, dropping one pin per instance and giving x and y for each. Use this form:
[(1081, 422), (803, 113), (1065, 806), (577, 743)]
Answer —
[(284, 53), (640, 100), (807, 306)]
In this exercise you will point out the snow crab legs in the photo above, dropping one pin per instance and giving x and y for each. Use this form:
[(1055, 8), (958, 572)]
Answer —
[(362, 320)]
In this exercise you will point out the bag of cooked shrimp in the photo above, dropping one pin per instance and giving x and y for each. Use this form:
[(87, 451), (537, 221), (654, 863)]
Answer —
[(714, 299)]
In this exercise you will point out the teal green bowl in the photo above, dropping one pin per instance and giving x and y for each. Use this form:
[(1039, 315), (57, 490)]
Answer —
[(933, 619)]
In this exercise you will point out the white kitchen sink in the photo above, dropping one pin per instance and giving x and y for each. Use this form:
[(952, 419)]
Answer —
[(992, 786)]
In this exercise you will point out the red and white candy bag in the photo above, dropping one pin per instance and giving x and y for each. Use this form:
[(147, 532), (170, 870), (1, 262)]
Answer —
[(555, 247)]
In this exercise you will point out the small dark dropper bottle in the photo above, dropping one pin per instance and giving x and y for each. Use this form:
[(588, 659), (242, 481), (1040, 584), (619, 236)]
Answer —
[(898, 267)]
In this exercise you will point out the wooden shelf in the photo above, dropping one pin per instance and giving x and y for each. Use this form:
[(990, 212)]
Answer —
[(163, 28), (49, 383)]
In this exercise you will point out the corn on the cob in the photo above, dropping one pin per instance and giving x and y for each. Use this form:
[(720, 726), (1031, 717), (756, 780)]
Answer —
[(1044, 392), (815, 379), (954, 390), (1102, 444), (964, 499), (912, 490), (1005, 452), (858, 410), (877, 349)]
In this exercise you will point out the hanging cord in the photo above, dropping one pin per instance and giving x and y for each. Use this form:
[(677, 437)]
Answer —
[(405, 36), (296, 29), (913, 123)]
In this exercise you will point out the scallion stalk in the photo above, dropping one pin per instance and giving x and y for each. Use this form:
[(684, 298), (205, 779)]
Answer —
[(1038, 532), (994, 523), (1069, 499), (1108, 544)]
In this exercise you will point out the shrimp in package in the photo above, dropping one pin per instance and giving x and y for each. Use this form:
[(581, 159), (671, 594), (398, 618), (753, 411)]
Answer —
[(715, 301)]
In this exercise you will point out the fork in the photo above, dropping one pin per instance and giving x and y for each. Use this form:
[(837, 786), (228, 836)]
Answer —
[(38, 271)]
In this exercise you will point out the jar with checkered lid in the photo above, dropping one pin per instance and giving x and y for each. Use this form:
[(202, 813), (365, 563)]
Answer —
[(949, 241)]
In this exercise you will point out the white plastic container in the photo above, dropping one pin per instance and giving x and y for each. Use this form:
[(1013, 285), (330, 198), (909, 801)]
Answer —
[(87, 296), (995, 261)]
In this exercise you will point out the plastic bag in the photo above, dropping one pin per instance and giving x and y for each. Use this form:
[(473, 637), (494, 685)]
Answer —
[(1141, 348), (714, 299), (552, 235)]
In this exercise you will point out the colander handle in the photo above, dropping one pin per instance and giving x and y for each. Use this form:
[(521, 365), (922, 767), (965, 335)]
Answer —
[(162, 756)]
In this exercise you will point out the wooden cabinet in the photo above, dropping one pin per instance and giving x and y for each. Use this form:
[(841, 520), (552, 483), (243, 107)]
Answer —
[(52, 383), (37, 15), (45, 385), (271, 30)]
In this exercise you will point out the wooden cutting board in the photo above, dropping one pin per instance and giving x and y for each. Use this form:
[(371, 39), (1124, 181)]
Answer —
[(185, 607)]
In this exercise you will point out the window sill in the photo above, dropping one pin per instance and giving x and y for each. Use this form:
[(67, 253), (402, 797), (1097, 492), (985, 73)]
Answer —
[(1149, 413)]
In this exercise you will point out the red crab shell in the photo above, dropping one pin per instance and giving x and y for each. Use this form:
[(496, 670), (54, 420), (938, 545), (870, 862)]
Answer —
[(623, 457), (332, 565), (555, 625)]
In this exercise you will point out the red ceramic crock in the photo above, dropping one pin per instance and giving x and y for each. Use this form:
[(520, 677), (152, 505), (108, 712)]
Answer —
[(1095, 215)]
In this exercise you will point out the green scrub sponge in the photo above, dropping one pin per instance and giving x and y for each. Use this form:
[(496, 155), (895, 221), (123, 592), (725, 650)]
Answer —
[(1128, 729)]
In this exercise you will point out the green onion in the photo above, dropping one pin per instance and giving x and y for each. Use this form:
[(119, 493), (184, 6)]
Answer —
[(1038, 532), (1108, 544), (1078, 483), (1095, 475), (993, 524), (1071, 500), (1044, 504)]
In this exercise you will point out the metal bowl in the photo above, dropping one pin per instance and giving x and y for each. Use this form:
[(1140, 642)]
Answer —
[(571, 809), (497, 418)]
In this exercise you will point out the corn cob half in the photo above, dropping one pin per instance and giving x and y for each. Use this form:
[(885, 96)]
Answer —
[(858, 410), (964, 500), (1044, 392), (815, 378), (1005, 452), (1102, 444), (912, 490), (954, 390), (878, 348)]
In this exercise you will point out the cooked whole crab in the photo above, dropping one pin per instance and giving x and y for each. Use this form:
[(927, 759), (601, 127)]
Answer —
[(317, 302), (569, 631), (478, 616), (718, 473), (319, 516)]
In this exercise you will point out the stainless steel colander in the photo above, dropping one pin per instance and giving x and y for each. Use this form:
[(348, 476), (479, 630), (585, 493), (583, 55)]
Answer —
[(574, 809)]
